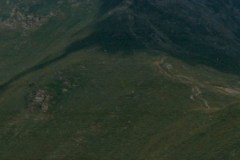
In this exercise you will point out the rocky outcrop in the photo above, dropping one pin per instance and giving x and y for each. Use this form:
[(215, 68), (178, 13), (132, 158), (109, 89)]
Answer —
[(26, 15), (39, 101), (19, 19)]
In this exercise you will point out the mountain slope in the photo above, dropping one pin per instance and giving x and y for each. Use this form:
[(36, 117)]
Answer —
[(111, 107), (205, 32), (124, 79)]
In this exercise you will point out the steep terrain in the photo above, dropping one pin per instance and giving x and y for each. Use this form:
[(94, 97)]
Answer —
[(205, 32), (123, 79)]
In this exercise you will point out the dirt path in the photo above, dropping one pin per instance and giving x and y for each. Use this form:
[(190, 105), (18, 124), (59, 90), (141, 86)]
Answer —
[(198, 86)]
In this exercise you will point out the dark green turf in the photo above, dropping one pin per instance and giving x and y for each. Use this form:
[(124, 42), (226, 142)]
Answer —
[(110, 96)]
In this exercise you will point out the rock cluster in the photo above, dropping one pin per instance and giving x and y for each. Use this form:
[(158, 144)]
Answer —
[(39, 100), (19, 19)]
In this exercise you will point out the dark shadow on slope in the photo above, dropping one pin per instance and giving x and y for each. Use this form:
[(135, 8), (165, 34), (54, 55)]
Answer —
[(109, 34), (113, 35), (174, 27), (109, 4)]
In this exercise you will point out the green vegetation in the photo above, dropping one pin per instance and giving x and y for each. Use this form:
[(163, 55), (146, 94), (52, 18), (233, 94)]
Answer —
[(116, 107), (88, 84)]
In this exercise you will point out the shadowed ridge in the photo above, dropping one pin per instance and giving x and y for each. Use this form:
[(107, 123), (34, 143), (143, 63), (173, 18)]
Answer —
[(112, 34), (203, 32), (109, 5), (156, 25)]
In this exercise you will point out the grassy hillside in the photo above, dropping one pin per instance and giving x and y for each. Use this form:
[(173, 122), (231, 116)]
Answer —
[(117, 107), (87, 83)]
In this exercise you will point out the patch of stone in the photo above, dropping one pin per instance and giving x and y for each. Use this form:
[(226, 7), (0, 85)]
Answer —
[(39, 100), (20, 20)]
